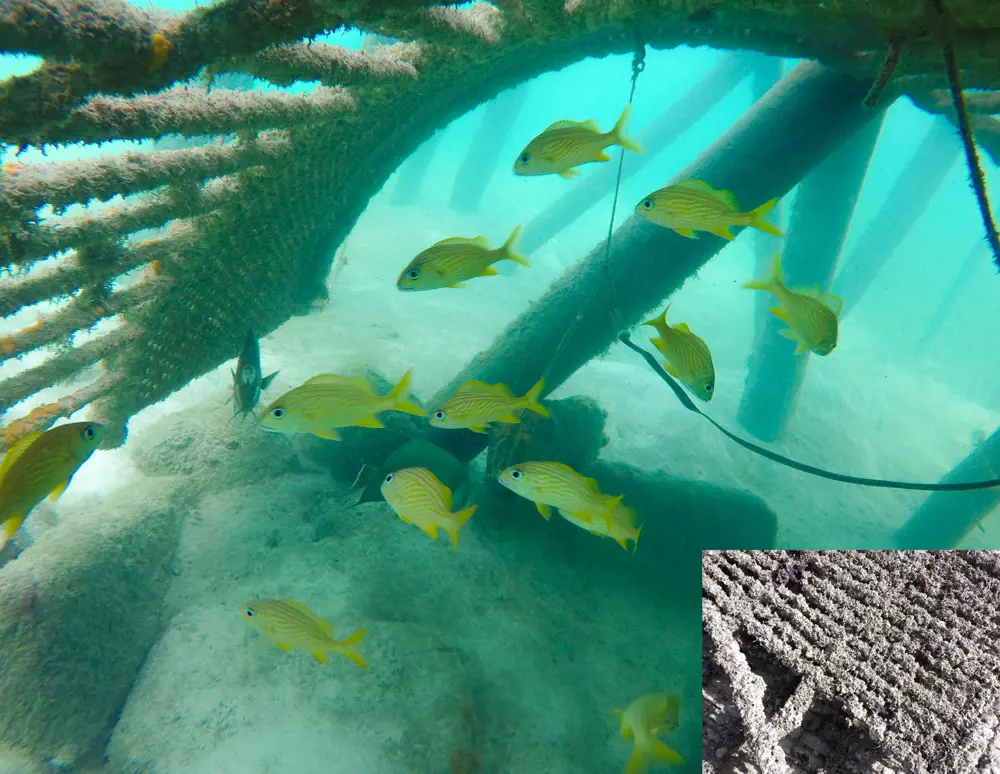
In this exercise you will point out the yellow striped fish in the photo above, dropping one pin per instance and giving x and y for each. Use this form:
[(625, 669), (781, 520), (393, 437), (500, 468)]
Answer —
[(450, 262), (40, 465), (555, 485), (419, 498), (476, 404), (623, 526), (329, 401), (290, 624), (567, 144), (810, 313), (688, 356), (693, 205), (644, 720)]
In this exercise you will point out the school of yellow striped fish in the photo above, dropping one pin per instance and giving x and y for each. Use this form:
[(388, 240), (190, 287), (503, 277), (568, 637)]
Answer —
[(42, 464)]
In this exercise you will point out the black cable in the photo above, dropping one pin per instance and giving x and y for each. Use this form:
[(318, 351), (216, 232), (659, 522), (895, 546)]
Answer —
[(775, 457)]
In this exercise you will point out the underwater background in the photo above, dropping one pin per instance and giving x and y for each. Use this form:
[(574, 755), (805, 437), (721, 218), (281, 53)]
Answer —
[(510, 654)]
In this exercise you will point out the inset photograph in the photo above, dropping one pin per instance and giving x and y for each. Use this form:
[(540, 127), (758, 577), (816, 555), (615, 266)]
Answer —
[(850, 662)]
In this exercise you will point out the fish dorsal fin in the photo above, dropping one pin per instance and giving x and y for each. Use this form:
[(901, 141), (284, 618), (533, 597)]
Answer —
[(326, 625), (361, 382), (729, 198), (590, 124), (834, 303), (694, 185), (682, 327), (15, 451), (474, 386), (504, 390), (591, 485), (479, 241), (293, 603)]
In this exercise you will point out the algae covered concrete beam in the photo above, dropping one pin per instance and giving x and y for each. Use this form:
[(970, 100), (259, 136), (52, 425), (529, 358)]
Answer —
[(797, 124), (191, 111), (69, 182), (330, 65)]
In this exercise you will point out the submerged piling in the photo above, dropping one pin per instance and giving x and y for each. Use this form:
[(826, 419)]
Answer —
[(797, 124), (817, 229), (483, 159), (725, 75), (904, 206), (411, 176), (944, 519)]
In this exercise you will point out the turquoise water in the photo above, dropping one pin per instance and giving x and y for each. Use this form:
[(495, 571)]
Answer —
[(510, 654)]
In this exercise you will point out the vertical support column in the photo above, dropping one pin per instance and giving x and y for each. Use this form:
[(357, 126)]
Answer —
[(724, 76), (904, 206), (816, 233), (978, 253), (944, 519), (483, 159), (412, 174)]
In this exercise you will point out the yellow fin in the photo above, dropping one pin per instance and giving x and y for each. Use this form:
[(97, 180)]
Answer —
[(320, 656), (722, 231), (672, 371), (570, 173), (507, 248), (728, 198), (531, 401), (456, 285), (682, 327), (508, 417), (57, 492), (755, 219), (834, 303), (10, 527), (477, 428), (478, 241), (693, 184), (398, 398), (779, 312), (590, 125), (489, 271), (457, 522), (361, 382), (431, 530), (369, 422), (20, 447), (349, 648), (686, 232), (328, 433), (665, 754), (602, 156), (283, 646), (621, 541), (659, 322), (618, 132), (545, 510)]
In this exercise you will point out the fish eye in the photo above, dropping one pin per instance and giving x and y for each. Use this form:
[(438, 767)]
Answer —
[(439, 415), (516, 474), (413, 273), (250, 613), (88, 433), (524, 158), (647, 204), (709, 386), (277, 413), (388, 479)]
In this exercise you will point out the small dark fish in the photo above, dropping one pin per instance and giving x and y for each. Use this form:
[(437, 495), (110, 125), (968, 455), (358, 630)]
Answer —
[(247, 381)]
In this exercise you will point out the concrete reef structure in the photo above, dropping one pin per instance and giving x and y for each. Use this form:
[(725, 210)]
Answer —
[(252, 223)]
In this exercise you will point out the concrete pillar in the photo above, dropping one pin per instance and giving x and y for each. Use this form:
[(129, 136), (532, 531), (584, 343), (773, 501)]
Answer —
[(411, 175), (816, 232), (483, 159), (903, 207)]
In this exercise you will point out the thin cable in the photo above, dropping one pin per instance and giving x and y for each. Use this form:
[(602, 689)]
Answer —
[(801, 466)]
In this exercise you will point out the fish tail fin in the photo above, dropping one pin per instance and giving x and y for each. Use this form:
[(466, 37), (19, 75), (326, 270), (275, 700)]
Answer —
[(458, 521), (531, 399), (772, 282), (618, 132), (399, 397), (661, 321), (756, 219), (508, 247), (349, 648)]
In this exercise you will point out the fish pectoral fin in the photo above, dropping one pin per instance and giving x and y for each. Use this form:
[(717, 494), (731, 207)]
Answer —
[(545, 510), (55, 493), (779, 312), (10, 527), (489, 271), (569, 174), (320, 656), (686, 232), (283, 646), (369, 422), (328, 433)]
